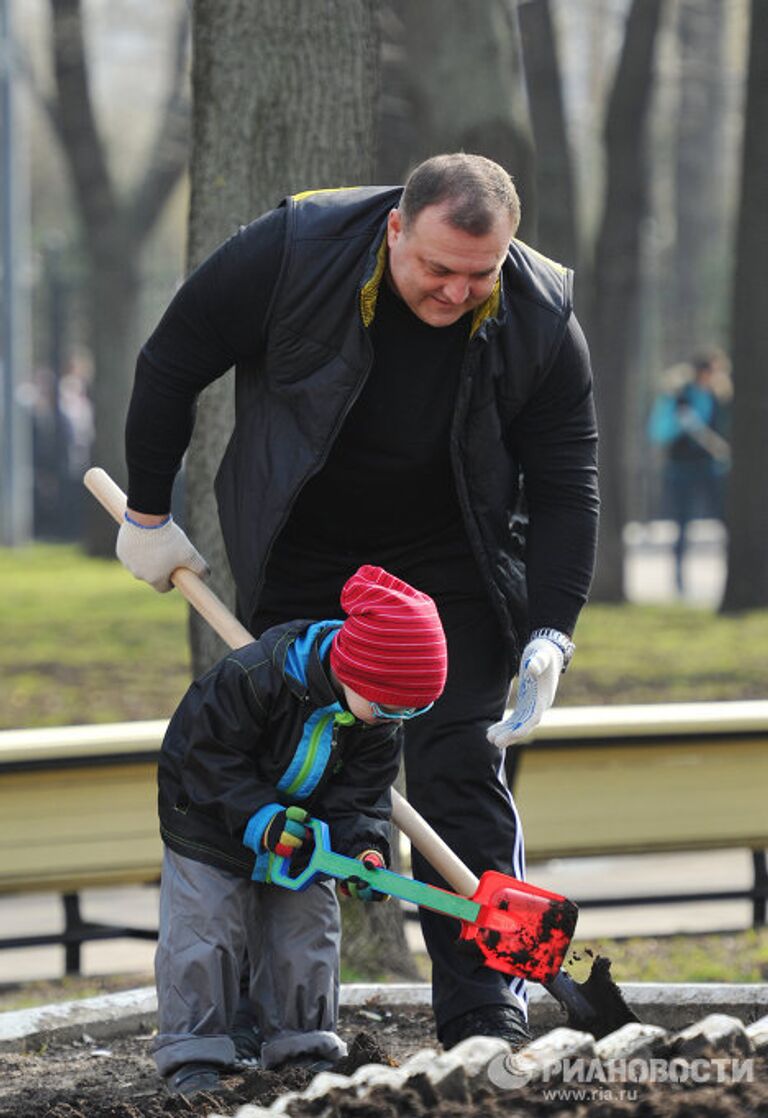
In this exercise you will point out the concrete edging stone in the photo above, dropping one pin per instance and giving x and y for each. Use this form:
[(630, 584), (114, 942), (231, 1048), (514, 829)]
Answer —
[(669, 1005)]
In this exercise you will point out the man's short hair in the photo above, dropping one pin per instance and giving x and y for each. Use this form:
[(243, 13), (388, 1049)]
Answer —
[(477, 188)]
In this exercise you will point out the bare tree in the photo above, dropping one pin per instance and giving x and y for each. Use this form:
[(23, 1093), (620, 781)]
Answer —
[(611, 317), (455, 83), (115, 228), (747, 582), (556, 234), (701, 202), (284, 99)]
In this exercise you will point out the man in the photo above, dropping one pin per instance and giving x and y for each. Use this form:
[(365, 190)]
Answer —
[(401, 363)]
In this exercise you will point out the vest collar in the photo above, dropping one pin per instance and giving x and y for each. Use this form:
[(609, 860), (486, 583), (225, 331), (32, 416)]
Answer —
[(369, 292)]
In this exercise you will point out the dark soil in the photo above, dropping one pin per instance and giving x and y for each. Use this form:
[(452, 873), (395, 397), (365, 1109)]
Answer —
[(117, 1079)]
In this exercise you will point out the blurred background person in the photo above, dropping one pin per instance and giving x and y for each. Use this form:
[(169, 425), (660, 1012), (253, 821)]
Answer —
[(689, 421), (61, 414)]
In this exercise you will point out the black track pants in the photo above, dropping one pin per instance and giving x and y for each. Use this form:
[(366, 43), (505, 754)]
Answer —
[(455, 780)]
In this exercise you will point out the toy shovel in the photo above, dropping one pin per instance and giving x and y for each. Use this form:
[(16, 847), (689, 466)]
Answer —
[(519, 929)]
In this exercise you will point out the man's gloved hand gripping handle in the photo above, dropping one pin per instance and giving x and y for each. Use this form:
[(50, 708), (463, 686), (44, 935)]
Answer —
[(544, 660), (152, 552)]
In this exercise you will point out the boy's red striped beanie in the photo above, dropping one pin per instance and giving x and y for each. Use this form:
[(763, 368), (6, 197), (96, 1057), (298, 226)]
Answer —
[(391, 648)]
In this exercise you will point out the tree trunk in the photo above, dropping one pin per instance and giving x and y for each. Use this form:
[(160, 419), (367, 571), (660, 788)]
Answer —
[(115, 291), (747, 514), (440, 105), (700, 195), (284, 98), (114, 232), (555, 195), (612, 312), (374, 940)]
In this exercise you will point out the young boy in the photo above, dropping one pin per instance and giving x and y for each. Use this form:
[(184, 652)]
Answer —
[(303, 722)]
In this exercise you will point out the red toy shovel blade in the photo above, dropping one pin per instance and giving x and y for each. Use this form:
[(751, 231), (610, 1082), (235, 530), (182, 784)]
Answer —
[(520, 929)]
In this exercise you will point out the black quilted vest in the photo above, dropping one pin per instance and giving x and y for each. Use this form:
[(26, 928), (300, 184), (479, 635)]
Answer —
[(290, 408)]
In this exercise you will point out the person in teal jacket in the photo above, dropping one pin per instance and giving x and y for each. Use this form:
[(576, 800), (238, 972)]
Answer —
[(690, 422)]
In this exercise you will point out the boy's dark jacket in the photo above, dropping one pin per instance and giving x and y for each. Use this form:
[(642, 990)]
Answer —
[(264, 727)]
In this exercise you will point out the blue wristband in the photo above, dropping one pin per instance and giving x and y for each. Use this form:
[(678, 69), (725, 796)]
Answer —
[(257, 825), (147, 527)]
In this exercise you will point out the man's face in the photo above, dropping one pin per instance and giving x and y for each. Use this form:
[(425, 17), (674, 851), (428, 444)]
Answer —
[(439, 271)]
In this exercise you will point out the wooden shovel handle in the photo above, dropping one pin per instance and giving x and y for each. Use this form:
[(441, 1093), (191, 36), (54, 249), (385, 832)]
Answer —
[(223, 622), (428, 842)]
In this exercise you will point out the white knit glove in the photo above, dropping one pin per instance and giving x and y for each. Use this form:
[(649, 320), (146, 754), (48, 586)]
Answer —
[(541, 666), (152, 554)]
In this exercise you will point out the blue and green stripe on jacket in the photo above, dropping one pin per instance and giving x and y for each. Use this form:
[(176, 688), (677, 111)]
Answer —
[(313, 752)]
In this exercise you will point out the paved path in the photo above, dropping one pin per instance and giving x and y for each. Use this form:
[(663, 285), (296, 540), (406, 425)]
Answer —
[(649, 564)]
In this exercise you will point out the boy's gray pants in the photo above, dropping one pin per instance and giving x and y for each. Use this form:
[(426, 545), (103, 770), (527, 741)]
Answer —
[(208, 920)]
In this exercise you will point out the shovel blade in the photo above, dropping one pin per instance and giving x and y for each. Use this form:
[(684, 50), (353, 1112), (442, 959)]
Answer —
[(521, 930)]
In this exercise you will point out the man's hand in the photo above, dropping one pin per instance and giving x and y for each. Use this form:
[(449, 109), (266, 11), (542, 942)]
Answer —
[(153, 552), (287, 832), (357, 888), (541, 666)]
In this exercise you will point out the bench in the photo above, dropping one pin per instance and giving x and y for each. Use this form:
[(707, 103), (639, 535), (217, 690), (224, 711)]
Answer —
[(78, 803), (78, 811), (648, 779)]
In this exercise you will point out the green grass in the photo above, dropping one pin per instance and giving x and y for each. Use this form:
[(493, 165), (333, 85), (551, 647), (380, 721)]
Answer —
[(84, 642), (740, 956), (669, 653), (716, 957)]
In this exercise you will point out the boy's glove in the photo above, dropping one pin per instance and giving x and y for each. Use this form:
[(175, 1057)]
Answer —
[(152, 554), (357, 888), (541, 666), (286, 833)]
